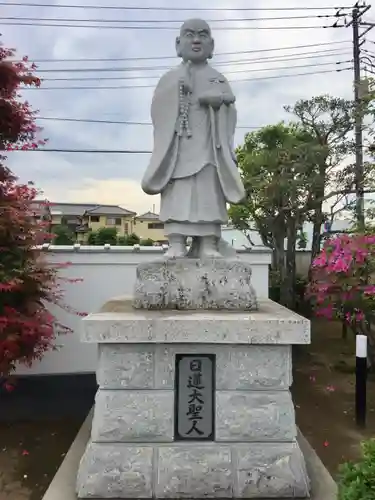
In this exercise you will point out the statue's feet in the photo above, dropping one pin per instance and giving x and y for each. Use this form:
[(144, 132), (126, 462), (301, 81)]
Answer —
[(173, 252), (177, 247), (209, 248)]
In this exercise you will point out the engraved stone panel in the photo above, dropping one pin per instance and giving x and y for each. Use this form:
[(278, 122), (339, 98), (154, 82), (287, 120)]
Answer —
[(122, 416), (255, 416), (125, 366), (254, 368), (115, 471), (189, 471), (270, 470)]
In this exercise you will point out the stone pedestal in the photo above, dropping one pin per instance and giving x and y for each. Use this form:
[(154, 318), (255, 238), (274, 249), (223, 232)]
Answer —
[(193, 284), (133, 452)]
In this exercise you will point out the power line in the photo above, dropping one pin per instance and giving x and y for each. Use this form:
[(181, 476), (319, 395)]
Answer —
[(243, 70), (234, 62), (226, 28), (121, 87), (101, 151), (162, 8), (158, 21), (116, 122), (143, 58), (371, 54)]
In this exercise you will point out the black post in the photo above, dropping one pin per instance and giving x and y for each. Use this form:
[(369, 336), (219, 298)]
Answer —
[(361, 380)]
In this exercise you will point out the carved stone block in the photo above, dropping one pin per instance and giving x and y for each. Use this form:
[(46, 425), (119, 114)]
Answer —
[(194, 284)]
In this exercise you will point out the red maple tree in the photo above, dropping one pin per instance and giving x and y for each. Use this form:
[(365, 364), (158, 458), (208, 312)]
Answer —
[(27, 282)]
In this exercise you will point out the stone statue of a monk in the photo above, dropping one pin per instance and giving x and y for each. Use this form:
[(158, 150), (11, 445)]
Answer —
[(193, 164)]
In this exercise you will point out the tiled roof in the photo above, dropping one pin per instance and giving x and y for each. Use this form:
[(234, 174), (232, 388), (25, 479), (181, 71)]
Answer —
[(148, 216), (109, 210), (80, 209), (39, 207)]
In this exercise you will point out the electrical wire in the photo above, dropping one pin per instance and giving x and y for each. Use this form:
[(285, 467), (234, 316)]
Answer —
[(369, 53), (243, 70), (144, 58), (101, 151), (146, 77), (158, 21), (121, 87), (159, 68), (162, 8), (226, 28), (114, 122)]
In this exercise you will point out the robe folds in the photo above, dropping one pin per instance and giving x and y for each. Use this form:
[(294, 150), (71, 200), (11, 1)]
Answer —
[(195, 179)]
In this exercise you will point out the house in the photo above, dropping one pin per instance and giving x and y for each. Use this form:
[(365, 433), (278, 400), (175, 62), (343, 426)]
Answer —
[(148, 225), (82, 218)]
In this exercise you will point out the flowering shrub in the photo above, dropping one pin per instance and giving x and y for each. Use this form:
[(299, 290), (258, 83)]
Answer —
[(357, 479), (342, 285), (17, 120), (27, 283)]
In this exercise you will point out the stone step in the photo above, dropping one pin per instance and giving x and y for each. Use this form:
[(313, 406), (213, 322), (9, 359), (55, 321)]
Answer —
[(211, 470)]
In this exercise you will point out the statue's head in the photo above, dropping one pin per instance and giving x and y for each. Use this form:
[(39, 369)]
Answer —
[(195, 42)]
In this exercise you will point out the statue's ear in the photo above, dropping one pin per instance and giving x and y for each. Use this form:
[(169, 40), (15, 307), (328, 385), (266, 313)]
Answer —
[(178, 47), (211, 54)]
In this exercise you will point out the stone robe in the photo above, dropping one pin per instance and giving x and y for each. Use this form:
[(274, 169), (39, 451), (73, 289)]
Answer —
[(195, 179)]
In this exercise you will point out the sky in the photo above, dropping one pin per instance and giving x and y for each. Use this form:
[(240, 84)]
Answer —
[(115, 178)]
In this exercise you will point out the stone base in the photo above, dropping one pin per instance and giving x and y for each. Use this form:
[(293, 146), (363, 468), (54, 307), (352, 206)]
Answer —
[(134, 451), (194, 284), (209, 470)]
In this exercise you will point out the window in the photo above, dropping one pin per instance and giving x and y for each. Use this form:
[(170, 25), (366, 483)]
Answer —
[(156, 225), (94, 218), (113, 221)]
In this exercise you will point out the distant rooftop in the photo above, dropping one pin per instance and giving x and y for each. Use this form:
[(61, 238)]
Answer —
[(148, 216), (79, 209)]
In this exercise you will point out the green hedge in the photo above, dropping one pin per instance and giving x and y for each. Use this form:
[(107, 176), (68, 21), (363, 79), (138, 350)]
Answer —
[(357, 480)]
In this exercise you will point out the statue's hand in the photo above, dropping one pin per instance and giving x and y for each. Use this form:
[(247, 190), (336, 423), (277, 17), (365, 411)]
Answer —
[(211, 98), (228, 98)]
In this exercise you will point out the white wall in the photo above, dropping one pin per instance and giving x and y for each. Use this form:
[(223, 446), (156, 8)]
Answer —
[(105, 274)]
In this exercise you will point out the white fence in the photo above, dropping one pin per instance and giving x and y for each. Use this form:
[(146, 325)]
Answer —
[(107, 273)]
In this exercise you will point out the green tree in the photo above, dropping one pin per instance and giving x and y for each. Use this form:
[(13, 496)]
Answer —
[(63, 235), (128, 240), (148, 242), (328, 120), (133, 239), (122, 241), (91, 240), (278, 167), (103, 236)]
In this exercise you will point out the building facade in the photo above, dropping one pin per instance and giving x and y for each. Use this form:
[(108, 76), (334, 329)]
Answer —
[(148, 226), (83, 218)]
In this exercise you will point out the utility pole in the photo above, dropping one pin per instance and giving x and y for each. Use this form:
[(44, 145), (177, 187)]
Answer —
[(357, 13), (358, 117)]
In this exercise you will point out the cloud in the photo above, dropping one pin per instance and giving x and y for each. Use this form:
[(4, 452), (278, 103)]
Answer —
[(115, 178), (126, 193)]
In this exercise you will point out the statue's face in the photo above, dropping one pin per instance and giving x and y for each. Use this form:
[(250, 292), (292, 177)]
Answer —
[(195, 42)]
